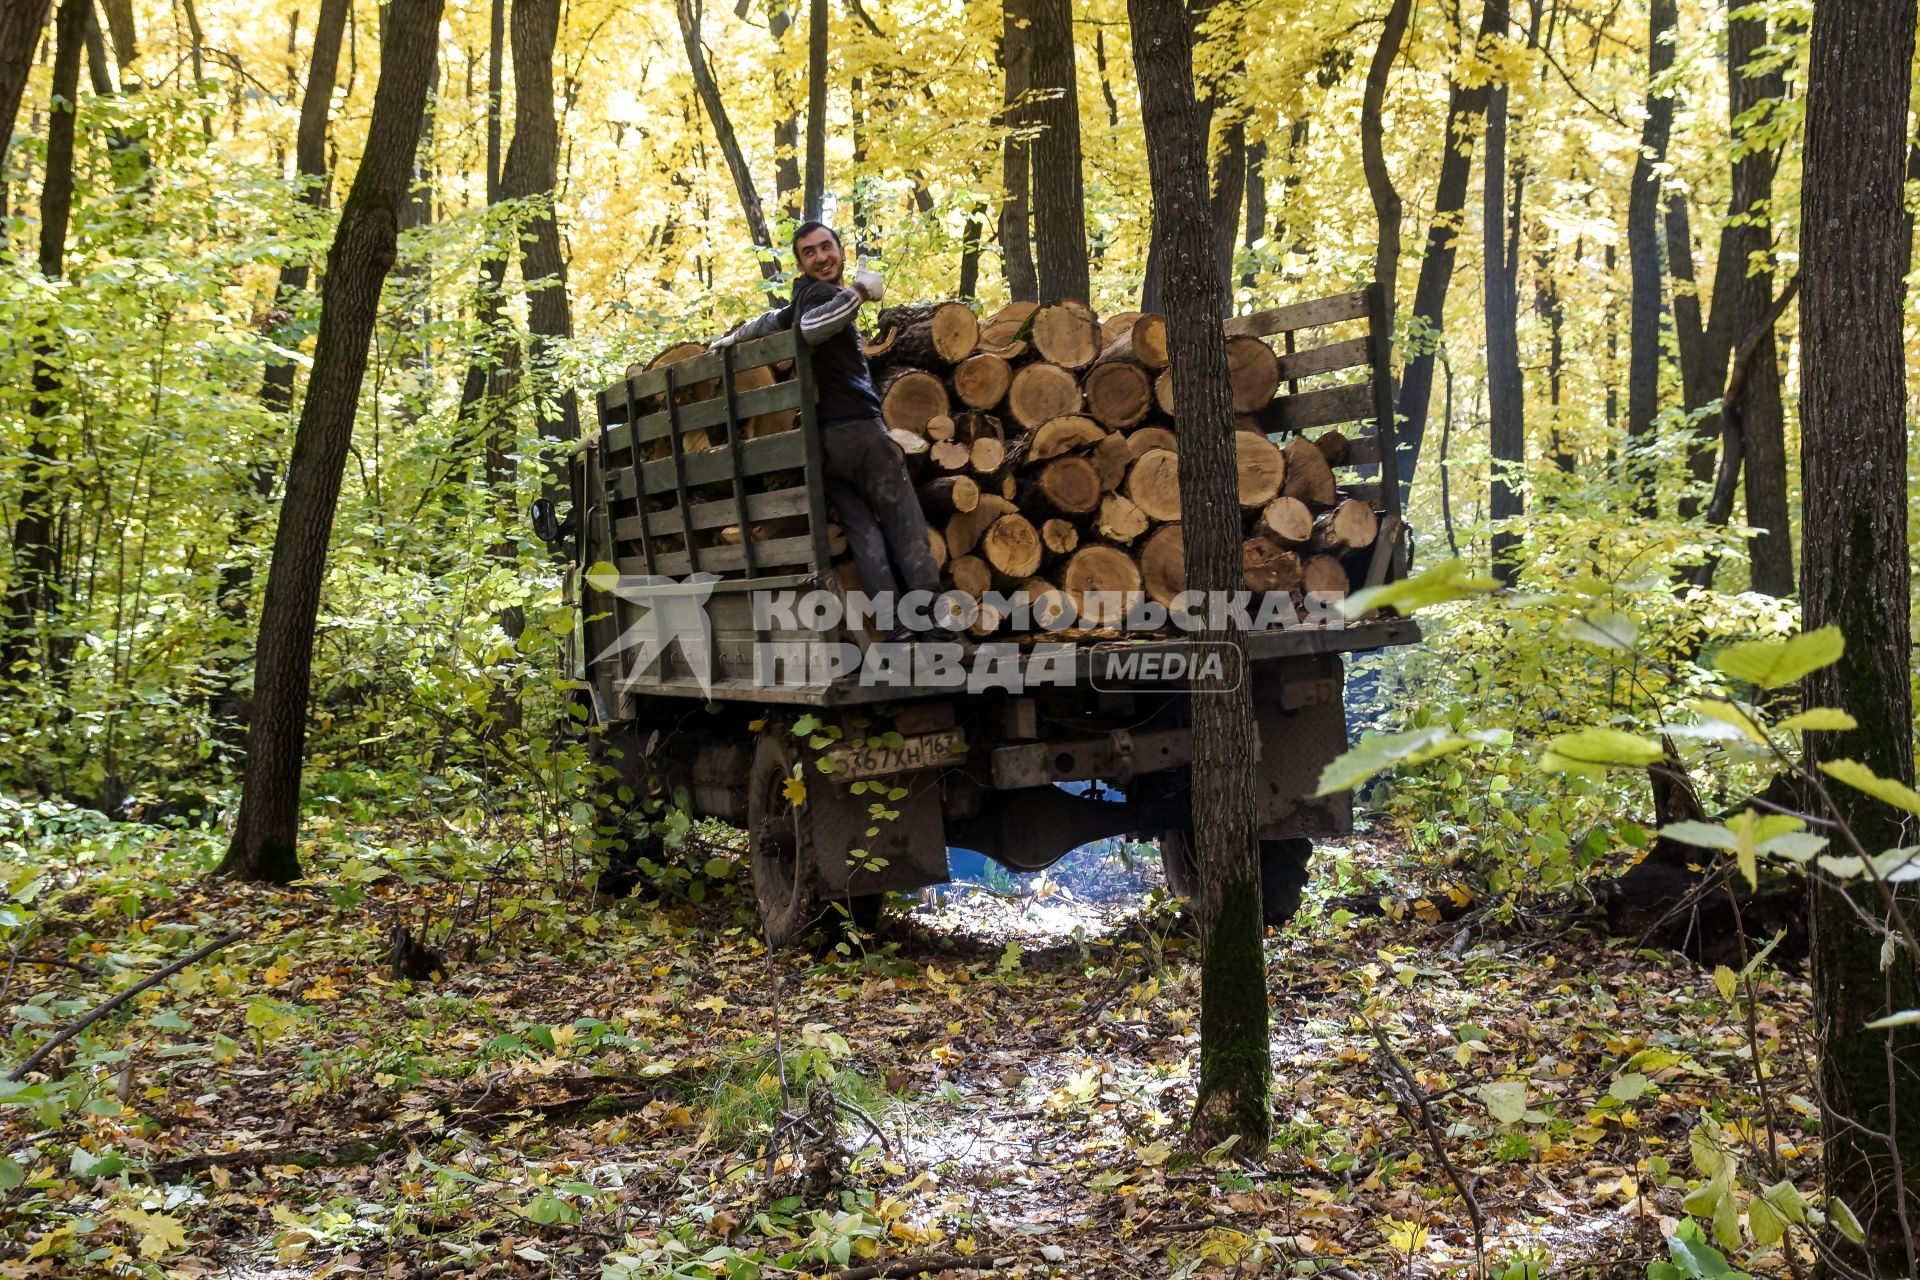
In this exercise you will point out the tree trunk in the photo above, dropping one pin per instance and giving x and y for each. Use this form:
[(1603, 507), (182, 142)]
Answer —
[(1506, 389), (1386, 201), (1643, 253), (1229, 186), (716, 109), (787, 178), (1428, 314), (1697, 377), (1856, 575), (1016, 243), (265, 838), (816, 174), (1746, 294), (276, 381), (36, 559), (1256, 207), (1235, 1075), (529, 174), (487, 390), (20, 27), (1059, 198)]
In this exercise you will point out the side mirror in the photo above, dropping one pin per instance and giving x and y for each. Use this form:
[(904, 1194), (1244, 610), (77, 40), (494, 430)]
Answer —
[(546, 521)]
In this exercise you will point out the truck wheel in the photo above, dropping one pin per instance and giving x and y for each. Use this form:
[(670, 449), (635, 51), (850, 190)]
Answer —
[(1176, 862), (780, 841), (1283, 872), (1283, 875)]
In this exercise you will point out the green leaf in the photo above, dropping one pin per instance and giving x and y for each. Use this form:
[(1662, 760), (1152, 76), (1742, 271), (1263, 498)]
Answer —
[(1505, 1100), (11, 1174), (717, 868), (1448, 580), (1378, 752), (1592, 750), (1831, 719), (602, 576), (1785, 1200), (1861, 778), (1905, 1018), (1708, 835), (1843, 1218), (1629, 1087), (1774, 663), (1604, 629)]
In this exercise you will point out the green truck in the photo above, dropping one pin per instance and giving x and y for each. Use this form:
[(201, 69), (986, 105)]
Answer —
[(713, 672)]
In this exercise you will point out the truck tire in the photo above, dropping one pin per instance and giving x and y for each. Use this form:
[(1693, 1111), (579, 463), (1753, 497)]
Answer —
[(781, 851), (780, 843), (1284, 869), (1176, 862), (1283, 872)]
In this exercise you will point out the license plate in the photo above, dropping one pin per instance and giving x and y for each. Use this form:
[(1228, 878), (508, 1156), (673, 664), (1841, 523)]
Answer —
[(871, 761)]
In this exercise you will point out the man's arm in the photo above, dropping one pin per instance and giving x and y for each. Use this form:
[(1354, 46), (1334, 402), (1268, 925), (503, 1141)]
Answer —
[(826, 309), (764, 325)]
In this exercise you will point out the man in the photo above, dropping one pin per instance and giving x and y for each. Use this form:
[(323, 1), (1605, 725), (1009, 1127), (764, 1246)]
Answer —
[(866, 476)]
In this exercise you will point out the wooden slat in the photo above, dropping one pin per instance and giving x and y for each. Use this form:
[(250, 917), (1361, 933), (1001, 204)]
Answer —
[(1321, 408), (1336, 355), (711, 466), (702, 414), (713, 515), (746, 355), (1301, 315), (1362, 451), (1368, 491), (780, 551)]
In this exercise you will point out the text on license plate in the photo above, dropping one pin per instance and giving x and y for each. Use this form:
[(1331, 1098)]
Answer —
[(870, 761)]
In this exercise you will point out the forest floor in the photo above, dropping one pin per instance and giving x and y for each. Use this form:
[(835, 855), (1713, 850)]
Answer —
[(997, 1082)]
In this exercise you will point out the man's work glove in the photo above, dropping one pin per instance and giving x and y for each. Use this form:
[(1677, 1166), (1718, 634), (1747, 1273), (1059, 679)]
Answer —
[(725, 340), (870, 284)]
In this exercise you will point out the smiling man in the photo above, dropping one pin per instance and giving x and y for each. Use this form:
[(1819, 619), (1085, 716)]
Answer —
[(867, 480)]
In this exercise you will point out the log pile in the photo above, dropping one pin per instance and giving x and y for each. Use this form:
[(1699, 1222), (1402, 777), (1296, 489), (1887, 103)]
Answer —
[(1046, 457)]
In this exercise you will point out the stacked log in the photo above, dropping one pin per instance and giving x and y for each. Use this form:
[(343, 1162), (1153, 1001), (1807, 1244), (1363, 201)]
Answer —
[(1046, 458)]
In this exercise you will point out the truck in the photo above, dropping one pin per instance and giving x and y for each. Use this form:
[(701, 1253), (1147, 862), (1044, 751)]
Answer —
[(700, 552)]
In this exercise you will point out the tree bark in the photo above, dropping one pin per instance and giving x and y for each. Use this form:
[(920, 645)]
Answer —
[(1743, 290), (1643, 253), (1235, 1075), (1697, 375), (530, 174), (1229, 188), (816, 173), (32, 596), (1256, 207), (1059, 198), (276, 381), (1856, 575), (1428, 313), (265, 839), (1373, 158), (1016, 242), (20, 27), (1506, 389), (716, 109), (789, 196)]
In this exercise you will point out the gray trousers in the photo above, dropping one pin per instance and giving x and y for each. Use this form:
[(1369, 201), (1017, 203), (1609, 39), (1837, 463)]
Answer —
[(873, 497)]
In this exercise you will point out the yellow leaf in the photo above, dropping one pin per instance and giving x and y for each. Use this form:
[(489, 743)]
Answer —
[(159, 1234), (795, 790), (1724, 979), (276, 973)]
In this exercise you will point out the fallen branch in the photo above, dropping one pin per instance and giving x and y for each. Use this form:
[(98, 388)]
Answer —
[(1411, 1100), (153, 980), (354, 1151), (900, 1267)]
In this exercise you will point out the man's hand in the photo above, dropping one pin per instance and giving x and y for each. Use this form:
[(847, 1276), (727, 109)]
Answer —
[(870, 284), (726, 340)]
